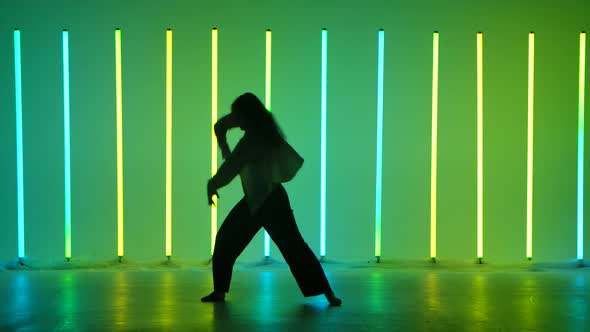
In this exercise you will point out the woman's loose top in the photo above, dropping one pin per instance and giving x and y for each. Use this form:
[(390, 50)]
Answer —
[(261, 166)]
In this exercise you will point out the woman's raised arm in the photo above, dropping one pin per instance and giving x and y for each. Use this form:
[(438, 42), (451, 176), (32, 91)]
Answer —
[(221, 127)]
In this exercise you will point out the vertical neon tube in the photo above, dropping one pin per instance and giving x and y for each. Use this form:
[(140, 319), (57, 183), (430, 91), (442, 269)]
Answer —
[(268, 107), (268, 66), (479, 145), (324, 103), (434, 145), (67, 176), (119, 106), (379, 179), (529, 191), (213, 137), (169, 142), (19, 144), (581, 91)]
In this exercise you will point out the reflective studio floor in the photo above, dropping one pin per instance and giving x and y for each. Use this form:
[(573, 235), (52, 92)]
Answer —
[(376, 297)]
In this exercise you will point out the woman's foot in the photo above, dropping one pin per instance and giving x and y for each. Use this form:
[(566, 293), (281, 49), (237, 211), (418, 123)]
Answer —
[(214, 297), (334, 301)]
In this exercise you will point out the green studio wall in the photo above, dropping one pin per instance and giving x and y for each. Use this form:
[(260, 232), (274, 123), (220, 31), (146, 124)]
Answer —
[(351, 124)]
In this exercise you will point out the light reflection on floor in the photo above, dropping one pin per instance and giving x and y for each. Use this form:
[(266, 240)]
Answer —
[(120, 301), (267, 299), (68, 303)]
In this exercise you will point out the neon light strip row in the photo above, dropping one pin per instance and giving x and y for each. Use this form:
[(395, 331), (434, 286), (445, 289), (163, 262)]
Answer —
[(119, 107), (434, 147), (379, 180), (581, 91), (479, 145), (19, 143), (213, 137), (268, 107), (67, 175), (324, 103), (118, 73), (529, 191), (169, 142)]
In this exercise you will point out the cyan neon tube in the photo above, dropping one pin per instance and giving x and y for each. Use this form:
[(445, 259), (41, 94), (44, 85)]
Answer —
[(67, 175), (581, 91), (379, 171), (324, 108), (268, 107), (19, 144)]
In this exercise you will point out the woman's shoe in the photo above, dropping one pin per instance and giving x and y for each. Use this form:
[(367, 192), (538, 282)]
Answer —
[(214, 297), (334, 301)]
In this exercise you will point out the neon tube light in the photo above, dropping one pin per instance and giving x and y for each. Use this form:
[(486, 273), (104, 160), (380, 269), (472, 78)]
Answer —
[(213, 137), (268, 107), (67, 175), (324, 103), (529, 196), (479, 145), (379, 179), (268, 66), (119, 106), (169, 142), (581, 91), (19, 144), (434, 147)]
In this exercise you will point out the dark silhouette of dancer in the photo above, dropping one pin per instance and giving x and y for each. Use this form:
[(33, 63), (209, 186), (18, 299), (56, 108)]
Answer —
[(264, 160)]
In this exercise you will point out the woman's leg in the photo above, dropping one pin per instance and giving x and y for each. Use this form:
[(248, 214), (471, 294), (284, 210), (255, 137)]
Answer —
[(235, 233), (279, 222)]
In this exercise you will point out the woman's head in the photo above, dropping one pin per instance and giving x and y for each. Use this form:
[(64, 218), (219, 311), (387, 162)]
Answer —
[(252, 117), (248, 110)]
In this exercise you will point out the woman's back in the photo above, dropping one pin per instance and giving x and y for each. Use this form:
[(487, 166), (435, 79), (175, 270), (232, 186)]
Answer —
[(266, 165)]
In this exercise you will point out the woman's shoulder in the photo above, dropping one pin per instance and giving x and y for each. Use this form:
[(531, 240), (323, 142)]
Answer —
[(252, 144), (258, 140), (261, 146)]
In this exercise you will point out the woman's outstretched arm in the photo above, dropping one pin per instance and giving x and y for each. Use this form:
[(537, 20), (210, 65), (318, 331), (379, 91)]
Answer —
[(221, 127)]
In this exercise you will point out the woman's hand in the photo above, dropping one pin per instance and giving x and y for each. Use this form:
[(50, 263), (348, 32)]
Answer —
[(211, 191)]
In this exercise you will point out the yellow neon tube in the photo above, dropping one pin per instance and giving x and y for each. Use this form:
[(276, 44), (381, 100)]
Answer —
[(119, 111), (433, 162), (213, 137), (529, 191), (169, 142), (479, 145)]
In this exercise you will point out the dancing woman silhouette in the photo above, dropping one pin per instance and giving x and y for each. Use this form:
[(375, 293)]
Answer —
[(264, 160)]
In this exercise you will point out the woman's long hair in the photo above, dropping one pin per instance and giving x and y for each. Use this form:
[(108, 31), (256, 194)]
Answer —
[(261, 121)]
